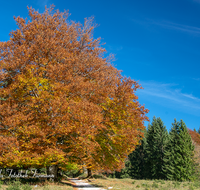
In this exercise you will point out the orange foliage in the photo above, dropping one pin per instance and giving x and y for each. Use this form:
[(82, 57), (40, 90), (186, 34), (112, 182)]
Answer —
[(61, 100), (195, 136), (196, 142)]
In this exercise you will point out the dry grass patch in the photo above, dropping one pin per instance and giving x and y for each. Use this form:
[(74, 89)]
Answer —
[(46, 187), (131, 184)]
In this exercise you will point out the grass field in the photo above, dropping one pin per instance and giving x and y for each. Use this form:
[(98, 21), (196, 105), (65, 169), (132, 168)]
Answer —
[(131, 184), (116, 184), (64, 185), (48, 187)]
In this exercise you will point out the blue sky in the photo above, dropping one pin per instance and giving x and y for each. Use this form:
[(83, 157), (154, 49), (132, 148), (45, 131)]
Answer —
[(156, 43)]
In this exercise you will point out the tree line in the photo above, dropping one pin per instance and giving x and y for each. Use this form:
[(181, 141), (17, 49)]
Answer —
[(162, 155)]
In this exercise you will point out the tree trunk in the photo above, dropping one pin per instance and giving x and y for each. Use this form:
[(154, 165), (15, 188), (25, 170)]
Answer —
[(53, 170), (85, 170), (89, 172)]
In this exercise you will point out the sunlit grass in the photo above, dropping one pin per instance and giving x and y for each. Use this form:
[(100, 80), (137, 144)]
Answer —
[(126, 184), (64, 185)]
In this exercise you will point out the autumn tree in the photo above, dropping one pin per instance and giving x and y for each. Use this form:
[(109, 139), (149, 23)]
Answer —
[(195, 136), (196, 142), (62, 99)]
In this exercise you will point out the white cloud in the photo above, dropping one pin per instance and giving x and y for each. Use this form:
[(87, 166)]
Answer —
[(169, 25), (178, 27), (169, 95), (191, 96)]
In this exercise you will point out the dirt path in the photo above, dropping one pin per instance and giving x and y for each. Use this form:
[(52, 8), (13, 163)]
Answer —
[(82, 185)]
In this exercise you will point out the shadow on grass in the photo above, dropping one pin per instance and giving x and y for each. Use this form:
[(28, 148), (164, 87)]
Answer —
[(96, 185), (66, 183)]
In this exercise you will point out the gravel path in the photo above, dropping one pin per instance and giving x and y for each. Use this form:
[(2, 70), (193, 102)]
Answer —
[(82, 185)]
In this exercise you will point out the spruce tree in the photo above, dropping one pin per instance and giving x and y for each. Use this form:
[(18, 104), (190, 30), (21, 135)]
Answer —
[(137, 160), (178, 158), (157, 139)]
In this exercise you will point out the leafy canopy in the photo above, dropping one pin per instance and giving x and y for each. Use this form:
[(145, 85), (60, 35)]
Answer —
[(61, 100)]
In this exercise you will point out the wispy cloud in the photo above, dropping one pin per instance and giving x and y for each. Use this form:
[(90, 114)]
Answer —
[(169, 95), (169, 25), (191, 97), (178, 27)]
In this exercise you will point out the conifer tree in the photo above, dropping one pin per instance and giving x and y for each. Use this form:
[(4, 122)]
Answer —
[(157, 138), (137, 160), (178, 158)]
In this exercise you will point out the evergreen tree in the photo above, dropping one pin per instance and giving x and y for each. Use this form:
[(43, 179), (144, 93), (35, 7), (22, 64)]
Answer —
[(137, 160), (157, 139), (178, 158)]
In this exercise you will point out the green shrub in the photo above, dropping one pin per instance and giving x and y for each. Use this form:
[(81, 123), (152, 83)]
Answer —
[(26, 187), (133, 182), (14, 186), (155, 185), (144, 185)]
